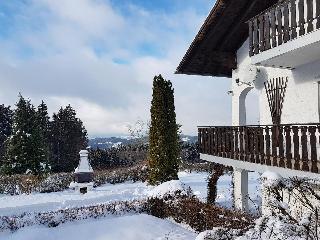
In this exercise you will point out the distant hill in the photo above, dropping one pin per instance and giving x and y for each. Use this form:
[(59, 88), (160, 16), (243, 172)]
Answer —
[(108, 142)]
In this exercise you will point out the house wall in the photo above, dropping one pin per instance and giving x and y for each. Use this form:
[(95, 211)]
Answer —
[(301, 102)]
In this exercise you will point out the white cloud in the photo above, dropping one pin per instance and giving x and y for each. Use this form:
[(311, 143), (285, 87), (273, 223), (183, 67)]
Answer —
[(70, 60)]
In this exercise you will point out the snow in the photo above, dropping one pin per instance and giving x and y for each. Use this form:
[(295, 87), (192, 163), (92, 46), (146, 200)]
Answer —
[(120, 192), (66, 199), (169, 189), (124, 227), (136, 227), (270, 179)]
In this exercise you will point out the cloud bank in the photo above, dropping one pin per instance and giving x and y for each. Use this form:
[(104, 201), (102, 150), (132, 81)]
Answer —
[(100, 56)]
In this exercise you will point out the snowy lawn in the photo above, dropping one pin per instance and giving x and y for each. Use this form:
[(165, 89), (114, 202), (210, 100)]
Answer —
[(136, 227), (37, 202), (125, 227)]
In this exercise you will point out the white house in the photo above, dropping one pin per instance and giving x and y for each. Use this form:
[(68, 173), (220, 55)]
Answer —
[(272, 47)]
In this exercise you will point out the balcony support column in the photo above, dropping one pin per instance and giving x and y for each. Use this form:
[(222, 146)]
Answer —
[(241, 197)]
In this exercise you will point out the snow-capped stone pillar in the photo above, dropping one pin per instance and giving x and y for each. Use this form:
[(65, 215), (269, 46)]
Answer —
[(83, 174), (241, 197)]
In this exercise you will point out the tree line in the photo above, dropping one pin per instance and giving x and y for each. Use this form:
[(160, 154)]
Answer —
[(32, 143)]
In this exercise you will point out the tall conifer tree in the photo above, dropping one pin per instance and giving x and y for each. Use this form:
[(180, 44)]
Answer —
[(26, 150), (43, 126), (6, 118), (68, 137), (163, 139)]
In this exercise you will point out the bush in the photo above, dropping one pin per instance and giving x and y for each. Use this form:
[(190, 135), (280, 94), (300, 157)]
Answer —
[(198, 215), (19, 184), (55, 218)]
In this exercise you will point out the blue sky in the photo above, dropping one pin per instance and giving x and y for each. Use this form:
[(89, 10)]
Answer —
[(101, 55)]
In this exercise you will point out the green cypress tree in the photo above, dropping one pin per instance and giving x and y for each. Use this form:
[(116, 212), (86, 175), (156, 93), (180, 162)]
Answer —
[(164, 146)]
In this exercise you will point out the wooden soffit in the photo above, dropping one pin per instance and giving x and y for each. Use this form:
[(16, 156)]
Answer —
[(213, 51)]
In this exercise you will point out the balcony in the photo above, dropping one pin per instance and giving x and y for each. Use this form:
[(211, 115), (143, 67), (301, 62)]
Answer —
[(285, 35), (292, 146)]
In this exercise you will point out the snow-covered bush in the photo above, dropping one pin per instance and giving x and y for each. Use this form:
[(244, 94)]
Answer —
[(293, 210), (55, 218), (19, 184), (55, 182), (171, 189), (219, 233), (134, 174)]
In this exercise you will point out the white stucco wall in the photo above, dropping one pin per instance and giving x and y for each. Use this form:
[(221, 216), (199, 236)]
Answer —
[(301, 102), (301, 99)]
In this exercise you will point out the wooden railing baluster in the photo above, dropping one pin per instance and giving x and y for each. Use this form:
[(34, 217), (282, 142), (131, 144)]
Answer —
[(281, 148), (317, 14), (250, 38), (241, 144), (310, 15), (296, 147), (267, 31), (301, 17), (273, 27), (256, 145), (261, 146), (236, 143), (286, 34), (313, 149), (255, 36), (274, 146), (304, 145), (199, 139), (268, 160), (279, 25), (246, 145), (232, 139), (288, 147), (261, 34), (293, 10)]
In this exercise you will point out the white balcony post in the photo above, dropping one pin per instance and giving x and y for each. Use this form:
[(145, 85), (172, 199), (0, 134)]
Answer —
[(241, 197)]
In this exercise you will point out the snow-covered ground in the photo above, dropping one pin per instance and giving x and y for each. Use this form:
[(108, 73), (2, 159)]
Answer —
[(126, 226), (136, 227), (37, 202)]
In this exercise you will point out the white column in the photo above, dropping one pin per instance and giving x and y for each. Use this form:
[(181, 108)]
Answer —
[(241, 197)]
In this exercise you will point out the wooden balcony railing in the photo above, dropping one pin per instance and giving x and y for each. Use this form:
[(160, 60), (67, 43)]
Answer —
[(287, 146), (281, 23)]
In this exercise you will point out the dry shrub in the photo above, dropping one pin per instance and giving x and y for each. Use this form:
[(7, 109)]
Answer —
[(198, 215), (18, 184)]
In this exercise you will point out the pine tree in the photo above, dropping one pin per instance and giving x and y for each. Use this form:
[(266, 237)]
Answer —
[(26, 149), (43, 128), (6, 118), (163, 139), (67, 137)]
